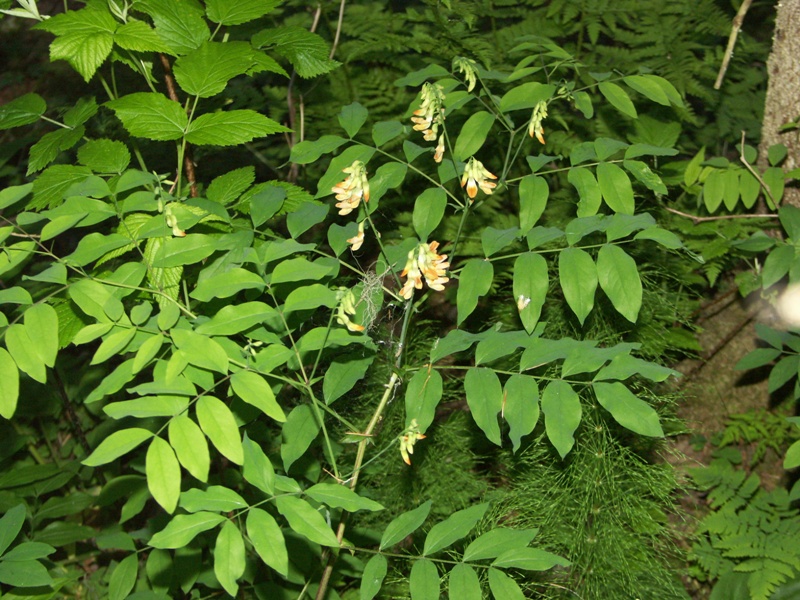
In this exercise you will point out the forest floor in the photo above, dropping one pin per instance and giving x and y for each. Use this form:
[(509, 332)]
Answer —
[(713, 392)]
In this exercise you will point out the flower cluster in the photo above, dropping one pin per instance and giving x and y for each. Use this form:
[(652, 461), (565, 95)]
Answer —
[(347, 308), (477, 176), (535, 126), (469, 68), (410, 437), (423, 261), (430, 115), (350, 191)]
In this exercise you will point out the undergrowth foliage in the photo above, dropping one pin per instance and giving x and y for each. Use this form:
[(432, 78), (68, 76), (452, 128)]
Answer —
[(202, 337)]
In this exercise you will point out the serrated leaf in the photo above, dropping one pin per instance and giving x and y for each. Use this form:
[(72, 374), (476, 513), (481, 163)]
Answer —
[(22, 111), (179, 24), (306, 521), (139, 36), (268, 540), (485, 400), (151, 115), (307, 51), (231, 128), (562, 415), (404, 525), (49, 146), (206, 71), (163, 474), (230, 12), (104, 156), (628, 410), (577, 274)]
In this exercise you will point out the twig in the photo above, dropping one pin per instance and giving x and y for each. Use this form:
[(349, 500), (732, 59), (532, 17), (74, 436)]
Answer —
[(188, 163), (737, 25), (338, 29), (697, 219), (755, 173)]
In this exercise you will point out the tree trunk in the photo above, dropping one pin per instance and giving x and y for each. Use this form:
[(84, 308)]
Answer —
[(782, 103)]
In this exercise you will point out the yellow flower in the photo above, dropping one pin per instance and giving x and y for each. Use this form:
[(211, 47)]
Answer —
[(469, 68), (477, 176), (358, 239), (437, 156), (424, 262), (347, 308), (410, 437), (350, 191), (430, 114), (535, 126)]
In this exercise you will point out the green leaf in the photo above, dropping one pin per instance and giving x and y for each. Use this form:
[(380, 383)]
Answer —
[(428, 211), (530, 559), (13, 194), (503, 587), (616, 188), (231, 128), (562, 415), (648, 88), (298, 432), (50, 187), (94, 246), (526, 95), (104, 156), (123, 578), (792, 458), (10, 525), (24, 574), (485, 400), (229, 560), (310, 297), (15, 255), (258, 469), (114, 344), (235, 318), (253, 389), (464, 584), (22, 111), (140, 37), (344, 373), (531, 283), (452, 529), (623, 366), (628, 410), (163, 474), (790, 220), (23, 351), (146, 352), (475, 280), (150, 115), (299, 269), (714, 190), (423, 393), (182, 529), (179, 24), (619, 279), (424, 582), (352, 118), (190, 446), (223, 285), (118, 443), (385, 131), (201, 351), (495, 542), (305, 217), (9, 386), (217, 422), (533, 194), (577, 274), (757, 358), (49, 146), (473, 134), (339, 496), (373, 576), (404, 525), (785, 370), (41, 323), (306, 521), (205, 72), (645, 175), (307, 51), (661, 236), (618, 98), (777, 265), (180, 251), (307, 151), (236, 12), (86, 47), (268, 540), (520, 407), (493, 240)]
